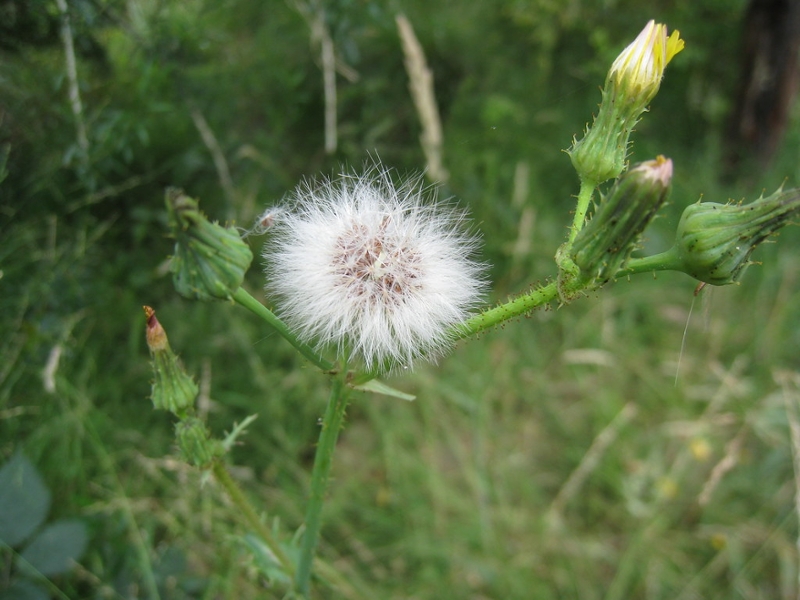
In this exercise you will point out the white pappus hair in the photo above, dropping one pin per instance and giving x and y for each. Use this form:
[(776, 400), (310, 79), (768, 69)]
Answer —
[(373, 268)]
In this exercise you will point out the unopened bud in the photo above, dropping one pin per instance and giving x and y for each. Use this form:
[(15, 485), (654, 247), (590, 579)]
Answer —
[(210, 260), (195, 442), (603, 246), (714, 241), (632, 82), (172, 389)]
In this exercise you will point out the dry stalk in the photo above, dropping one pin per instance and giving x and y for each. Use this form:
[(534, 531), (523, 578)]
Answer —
[(421, 87), (72, 80), (591, 459), (328, 59), (727, 463), (220, 163), (314, 15), (790, 383)]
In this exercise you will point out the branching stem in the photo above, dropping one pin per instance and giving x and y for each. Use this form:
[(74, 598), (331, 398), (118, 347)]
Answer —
[(248, 512)]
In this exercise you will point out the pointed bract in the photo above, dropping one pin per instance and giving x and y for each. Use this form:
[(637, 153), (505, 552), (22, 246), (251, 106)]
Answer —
[(714, 241)]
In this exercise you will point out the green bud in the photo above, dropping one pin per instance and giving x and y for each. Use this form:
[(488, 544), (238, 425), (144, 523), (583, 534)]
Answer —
[(603, 246), (173, 389), (714, 241), (195, 442), (632, 82), (601, 154), (210, 260)]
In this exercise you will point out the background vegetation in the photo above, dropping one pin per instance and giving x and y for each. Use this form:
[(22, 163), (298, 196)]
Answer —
[(635, 444)]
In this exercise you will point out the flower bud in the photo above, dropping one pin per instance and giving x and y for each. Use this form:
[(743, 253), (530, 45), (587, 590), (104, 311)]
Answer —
[(195, 443), (632, 82), (603, 246), (210, 260), (173, 389), (714, 241)]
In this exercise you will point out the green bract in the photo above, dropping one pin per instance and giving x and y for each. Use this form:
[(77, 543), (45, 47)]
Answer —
[(714, 241), (604, 245), (173, 389), (195, 442), (210, 260)]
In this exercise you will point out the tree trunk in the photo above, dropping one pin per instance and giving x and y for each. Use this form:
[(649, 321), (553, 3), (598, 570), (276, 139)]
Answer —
[(768, 83)]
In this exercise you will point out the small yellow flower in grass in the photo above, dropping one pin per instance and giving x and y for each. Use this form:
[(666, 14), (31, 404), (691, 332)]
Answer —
[(374, 269), (700, 449)]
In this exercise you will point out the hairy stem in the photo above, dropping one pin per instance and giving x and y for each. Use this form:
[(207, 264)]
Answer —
[(545, 294), (579, 220), (331, 425), (513, 308), (665, 261)]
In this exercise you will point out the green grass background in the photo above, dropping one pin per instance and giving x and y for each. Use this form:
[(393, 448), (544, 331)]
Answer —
[(633, 444)]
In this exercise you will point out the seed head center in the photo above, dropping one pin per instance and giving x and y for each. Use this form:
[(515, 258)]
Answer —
[(374, 268)]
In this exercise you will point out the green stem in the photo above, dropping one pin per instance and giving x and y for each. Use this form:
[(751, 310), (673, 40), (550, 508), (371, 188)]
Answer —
[(579, 220), (514, 308), (665, 261), (331, 425), (248, 512), (545, 294), (250, 303)]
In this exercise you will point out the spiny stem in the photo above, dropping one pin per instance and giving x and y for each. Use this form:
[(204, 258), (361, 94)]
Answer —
[(250, 303), (513, 308), (579, 220), (248, 512), (545, 294), (331, 425)]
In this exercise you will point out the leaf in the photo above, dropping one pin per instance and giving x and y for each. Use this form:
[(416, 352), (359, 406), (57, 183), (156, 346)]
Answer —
[(55, 549), (378, 387), (265, 560), (24, 500), (22, 589)]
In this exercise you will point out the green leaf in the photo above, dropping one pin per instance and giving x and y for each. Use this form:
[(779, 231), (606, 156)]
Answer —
[(378, 387), (55, 549), (22, 589), (265, 560), (24, 500)]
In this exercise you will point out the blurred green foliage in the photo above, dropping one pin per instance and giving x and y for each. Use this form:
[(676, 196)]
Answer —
[(455, 495)]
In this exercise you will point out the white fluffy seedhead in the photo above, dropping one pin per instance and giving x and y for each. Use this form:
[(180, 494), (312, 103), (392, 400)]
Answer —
[(372, 268)]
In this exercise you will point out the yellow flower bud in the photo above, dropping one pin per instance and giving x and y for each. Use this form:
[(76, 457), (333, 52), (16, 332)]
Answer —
[(632, 82)]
